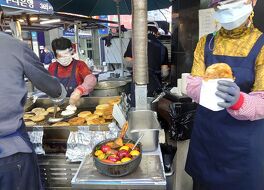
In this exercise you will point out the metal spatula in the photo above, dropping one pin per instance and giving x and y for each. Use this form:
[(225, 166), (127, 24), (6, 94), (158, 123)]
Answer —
[(54, 119)]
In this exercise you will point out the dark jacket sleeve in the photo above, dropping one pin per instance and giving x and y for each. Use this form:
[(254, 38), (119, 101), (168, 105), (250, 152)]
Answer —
[(165, 56), (128, 52), (38, 75)]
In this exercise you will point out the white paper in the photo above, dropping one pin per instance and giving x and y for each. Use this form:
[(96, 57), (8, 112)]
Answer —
[(118, 115), (207, 23), (176, 91), (208, 97)]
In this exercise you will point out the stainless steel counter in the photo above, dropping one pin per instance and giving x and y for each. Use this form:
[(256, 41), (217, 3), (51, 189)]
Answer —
[(149, 175)]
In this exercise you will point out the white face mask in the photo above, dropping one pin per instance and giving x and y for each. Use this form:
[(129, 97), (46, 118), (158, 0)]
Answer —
[(65, 61), (234, 16), (65, 57)]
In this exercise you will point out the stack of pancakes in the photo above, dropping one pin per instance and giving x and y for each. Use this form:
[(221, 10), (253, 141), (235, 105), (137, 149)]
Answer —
[(37, 115)]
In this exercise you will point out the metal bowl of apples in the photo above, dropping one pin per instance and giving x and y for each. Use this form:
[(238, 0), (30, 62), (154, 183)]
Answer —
[(117, 161)]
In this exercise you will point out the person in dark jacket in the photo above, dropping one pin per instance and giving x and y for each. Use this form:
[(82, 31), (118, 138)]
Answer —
[(48, 56), (157, 58)]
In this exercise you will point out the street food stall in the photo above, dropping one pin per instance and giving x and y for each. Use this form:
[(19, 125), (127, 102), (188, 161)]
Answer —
[(61, 146), (149, 174)]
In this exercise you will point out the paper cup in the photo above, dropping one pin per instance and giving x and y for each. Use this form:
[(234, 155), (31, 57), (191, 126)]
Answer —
[(208, 97), (184, 83), (179, 84)]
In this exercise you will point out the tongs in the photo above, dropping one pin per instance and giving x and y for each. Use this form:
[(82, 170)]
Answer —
[(161, 95), (119, 141)]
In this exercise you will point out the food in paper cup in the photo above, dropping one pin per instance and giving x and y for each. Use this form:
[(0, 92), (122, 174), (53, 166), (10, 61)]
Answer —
[(218, 71), (213, 74), (208, 97)]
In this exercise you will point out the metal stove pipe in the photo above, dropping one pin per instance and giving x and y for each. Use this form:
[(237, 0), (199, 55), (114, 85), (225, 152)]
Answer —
[(140, 41), (140, 52)]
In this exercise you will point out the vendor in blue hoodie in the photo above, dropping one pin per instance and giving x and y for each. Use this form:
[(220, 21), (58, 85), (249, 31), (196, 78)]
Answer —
[(18, 164)]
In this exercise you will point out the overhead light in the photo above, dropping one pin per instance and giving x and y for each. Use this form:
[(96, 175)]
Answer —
[(72, 14), (50, 21), (33, 18), (20, 20), (43, 19), (8, 31)]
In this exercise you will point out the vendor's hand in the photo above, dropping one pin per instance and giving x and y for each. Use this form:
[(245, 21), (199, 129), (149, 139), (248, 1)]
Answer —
[(75, 97), (229, 91)]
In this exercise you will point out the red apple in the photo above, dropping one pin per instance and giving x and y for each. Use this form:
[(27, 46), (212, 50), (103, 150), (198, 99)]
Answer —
[(105, 148), (112, 152), (113, 158), (123, 153)]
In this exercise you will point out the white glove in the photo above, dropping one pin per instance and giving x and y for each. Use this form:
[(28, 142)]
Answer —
[(75, 97), (62, 97), (165, 71)]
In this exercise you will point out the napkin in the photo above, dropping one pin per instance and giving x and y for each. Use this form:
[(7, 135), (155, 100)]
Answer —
[(208, 97)]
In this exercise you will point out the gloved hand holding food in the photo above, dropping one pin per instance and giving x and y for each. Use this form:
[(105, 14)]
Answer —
[(229, 91), (214, 97), (75, 97)]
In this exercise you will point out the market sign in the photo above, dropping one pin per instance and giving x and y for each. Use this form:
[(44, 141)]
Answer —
[(41, 6), (82, 33), (69, 32), (103, 31)]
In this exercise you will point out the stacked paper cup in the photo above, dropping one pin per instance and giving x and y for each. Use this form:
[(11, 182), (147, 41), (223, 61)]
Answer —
[(184, 83), (179, 84)]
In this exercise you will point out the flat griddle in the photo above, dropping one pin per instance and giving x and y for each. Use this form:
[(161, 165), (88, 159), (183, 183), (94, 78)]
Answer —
[(87, 104)]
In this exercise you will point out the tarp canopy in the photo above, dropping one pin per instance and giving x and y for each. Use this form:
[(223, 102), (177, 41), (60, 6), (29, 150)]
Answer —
[(102, 7)]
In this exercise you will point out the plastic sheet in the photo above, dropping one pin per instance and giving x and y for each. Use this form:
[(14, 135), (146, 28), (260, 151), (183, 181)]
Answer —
[(182, 117), (80, 143), (36, 138)]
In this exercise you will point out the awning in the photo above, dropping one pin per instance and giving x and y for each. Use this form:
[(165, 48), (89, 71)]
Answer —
[(102, 7)]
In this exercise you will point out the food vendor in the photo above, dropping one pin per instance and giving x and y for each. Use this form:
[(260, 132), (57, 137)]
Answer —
[(73, 74), (227, 149), (157, 61)]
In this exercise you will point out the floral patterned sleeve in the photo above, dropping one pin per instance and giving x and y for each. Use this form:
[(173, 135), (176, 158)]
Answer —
[(259, 78), (198, 68), (253, 106)]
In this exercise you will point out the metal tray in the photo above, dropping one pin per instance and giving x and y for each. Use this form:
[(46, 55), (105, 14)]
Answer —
[(55, 138), (87, 104), (144, 122), (149, 175)]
